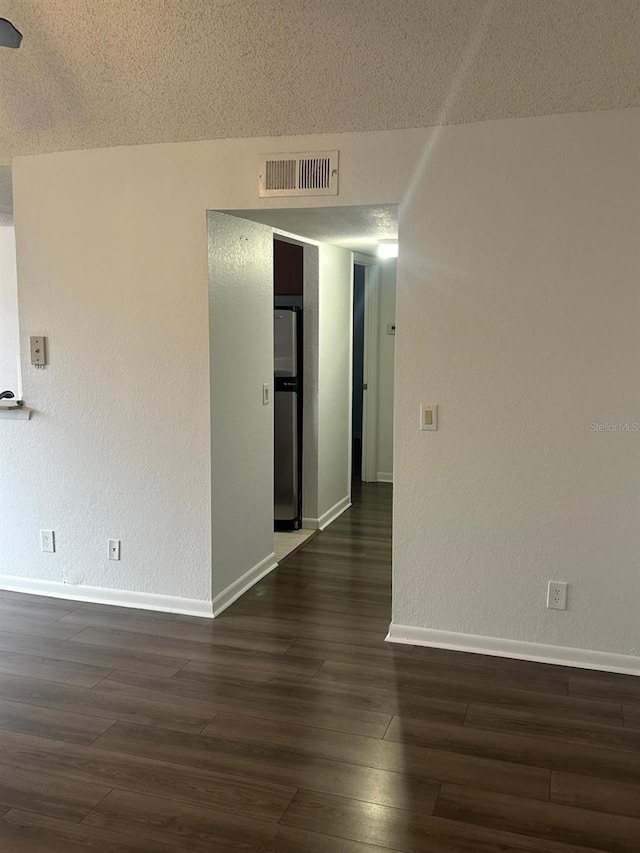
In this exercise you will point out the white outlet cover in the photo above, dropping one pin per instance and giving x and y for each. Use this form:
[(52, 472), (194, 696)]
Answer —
[(48, 541), (557, 595)]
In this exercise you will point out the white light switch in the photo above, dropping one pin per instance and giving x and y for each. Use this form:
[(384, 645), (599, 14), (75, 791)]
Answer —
[(266, 394), (428, 417)]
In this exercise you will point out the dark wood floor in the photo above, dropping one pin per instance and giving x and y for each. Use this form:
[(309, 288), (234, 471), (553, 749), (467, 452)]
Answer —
[(289, 725)]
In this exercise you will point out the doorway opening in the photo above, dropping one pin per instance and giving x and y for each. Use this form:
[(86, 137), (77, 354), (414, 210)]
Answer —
[(299, 268), (288, 397), (288, 364)]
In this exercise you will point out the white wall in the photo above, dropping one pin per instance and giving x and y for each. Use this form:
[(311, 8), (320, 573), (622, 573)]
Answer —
[(517, 313), (114, 272), (9, 331), (241, 357), (386, 358), (334, 387), (310, 396), (328, 299)]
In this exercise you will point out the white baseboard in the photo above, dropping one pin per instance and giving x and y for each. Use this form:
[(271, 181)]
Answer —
[(384, 477), (329, 516), (100, 595), (498, 647), (245, 582)]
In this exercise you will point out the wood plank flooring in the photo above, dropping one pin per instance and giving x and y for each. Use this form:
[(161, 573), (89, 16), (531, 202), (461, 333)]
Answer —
[(288, 725)]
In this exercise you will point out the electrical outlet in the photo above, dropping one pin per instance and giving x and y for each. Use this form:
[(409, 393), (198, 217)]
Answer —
[(47, 541), (114, 549), (557, 595)]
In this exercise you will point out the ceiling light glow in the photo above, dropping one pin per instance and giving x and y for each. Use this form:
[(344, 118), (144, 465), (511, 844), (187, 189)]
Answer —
[(388, 249)]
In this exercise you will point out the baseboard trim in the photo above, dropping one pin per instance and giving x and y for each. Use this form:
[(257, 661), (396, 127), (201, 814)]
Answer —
[(329, 516), (498, 647), (100, 595), (245, 582), (384, 477), (335, 512)]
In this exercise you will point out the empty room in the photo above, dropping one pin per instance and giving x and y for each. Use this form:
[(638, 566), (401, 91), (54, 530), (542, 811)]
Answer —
[(320, 426)]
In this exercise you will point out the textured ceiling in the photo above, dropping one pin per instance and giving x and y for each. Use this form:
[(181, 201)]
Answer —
[(355, 228), (94, 73)]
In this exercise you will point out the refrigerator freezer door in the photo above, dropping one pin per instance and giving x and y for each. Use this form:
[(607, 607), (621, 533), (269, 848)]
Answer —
[(286, 455), (285, 357)]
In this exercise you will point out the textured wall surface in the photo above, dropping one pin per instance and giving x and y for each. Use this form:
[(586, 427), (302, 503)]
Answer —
[(386, 358), (518, 312), (241, 353), (92, 73), (334, 399), (119, 444), (112, 266), (311, 367)]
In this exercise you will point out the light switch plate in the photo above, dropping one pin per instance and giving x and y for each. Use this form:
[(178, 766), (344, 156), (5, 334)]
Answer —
[(428, 418)]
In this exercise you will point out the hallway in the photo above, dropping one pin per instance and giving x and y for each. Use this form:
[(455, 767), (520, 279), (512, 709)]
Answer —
[(288, 725)]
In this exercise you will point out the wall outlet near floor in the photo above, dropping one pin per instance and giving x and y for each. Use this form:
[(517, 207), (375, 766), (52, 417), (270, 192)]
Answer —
[(47, 541), (557, 595), (114, 549)]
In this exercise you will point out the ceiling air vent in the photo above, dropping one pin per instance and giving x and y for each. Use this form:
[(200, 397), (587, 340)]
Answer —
[(310, 173)]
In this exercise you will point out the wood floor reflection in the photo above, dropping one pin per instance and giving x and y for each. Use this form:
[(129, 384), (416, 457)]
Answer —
[(288, 725)]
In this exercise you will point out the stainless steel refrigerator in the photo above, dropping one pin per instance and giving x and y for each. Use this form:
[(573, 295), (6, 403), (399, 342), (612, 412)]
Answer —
[(287, 418)]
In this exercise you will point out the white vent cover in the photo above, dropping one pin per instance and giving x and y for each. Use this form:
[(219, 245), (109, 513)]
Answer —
[(309, 173)]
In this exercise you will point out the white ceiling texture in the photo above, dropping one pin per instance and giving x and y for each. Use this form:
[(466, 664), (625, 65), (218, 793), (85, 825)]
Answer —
[(356, 228), (94, 73)]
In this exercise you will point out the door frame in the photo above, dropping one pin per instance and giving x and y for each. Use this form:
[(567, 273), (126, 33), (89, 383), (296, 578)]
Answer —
[(370, 378)]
